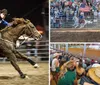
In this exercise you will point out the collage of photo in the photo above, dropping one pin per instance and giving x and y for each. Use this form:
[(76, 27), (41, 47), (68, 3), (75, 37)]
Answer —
[(74, 42), (50, 42)]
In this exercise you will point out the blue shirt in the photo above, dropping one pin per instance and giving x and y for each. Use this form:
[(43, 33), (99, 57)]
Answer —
[(4, 22), (81, 17)]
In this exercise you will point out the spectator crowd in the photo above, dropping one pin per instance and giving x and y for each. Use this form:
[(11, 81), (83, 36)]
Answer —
[(76, 13), (68, 69)]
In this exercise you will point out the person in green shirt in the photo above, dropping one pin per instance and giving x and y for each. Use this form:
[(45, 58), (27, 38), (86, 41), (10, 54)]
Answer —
[(70, 76)]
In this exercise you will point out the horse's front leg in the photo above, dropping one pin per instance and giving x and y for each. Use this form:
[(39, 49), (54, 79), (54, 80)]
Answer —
[(18, 69), (22, 56), (13, 61)]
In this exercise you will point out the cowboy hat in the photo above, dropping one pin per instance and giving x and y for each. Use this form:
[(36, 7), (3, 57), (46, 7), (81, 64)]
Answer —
[(55, 55), (94, 74), (4, 11), (66, 66), (69, 64)]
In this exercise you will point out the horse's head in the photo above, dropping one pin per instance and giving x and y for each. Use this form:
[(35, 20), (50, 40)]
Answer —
[(29, 29)]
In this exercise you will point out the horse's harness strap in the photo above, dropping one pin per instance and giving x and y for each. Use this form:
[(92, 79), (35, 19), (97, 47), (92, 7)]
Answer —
[(30, 31), (29, 36)]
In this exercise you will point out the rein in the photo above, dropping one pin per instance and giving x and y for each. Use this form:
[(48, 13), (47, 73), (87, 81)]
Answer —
[(27, 37)]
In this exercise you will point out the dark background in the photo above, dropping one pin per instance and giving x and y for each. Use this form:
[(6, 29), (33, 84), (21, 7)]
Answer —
[(30, 9)]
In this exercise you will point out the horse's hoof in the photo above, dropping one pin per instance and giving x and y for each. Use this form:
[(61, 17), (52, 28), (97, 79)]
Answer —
[(36, 66), (27, 77), (23, 76)]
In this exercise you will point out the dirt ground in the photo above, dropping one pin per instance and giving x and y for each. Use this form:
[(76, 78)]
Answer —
[(37, 76), (64, 35)]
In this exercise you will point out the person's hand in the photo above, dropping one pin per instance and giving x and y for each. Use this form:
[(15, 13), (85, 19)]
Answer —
[(9, 24)]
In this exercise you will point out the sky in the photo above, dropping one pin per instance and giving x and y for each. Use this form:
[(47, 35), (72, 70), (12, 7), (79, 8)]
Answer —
[(30, 9)]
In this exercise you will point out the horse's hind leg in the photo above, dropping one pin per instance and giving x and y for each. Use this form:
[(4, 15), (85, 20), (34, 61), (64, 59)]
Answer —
[(22, 56), (13, 61)]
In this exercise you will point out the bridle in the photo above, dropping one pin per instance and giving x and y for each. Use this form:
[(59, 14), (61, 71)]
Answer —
[(29, 28), (31, 32)]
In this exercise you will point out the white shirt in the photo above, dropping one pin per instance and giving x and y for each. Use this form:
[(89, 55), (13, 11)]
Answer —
[(53, 67)]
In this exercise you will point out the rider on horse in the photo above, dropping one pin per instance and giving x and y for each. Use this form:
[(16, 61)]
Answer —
[(3, 14)]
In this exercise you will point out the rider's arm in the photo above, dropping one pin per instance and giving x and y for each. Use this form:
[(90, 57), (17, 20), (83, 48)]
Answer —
[(5, 23)]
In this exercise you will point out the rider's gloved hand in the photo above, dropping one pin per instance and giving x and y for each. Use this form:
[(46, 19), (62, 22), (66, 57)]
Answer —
[(9, 24)]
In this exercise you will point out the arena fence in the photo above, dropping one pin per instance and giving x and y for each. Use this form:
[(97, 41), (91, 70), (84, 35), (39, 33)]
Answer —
[(63, 23), (64, 49), (35, 50)]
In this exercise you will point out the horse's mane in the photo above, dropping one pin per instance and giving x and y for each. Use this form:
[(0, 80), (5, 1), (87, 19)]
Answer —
[(15, 22)]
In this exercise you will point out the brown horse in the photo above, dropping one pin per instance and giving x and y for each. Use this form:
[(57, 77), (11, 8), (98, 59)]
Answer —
[(9, 37)]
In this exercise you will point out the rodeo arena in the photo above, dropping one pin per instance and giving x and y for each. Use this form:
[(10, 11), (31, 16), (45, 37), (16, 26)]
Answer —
[(78, 20), (24, 51), (74, 64), (75, 14)]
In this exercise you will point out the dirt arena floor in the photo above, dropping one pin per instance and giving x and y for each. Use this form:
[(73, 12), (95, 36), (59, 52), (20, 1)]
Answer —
[(65, 35), (37, 76)]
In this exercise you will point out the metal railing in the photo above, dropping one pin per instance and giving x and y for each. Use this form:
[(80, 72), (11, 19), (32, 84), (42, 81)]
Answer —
[(90, 23)]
